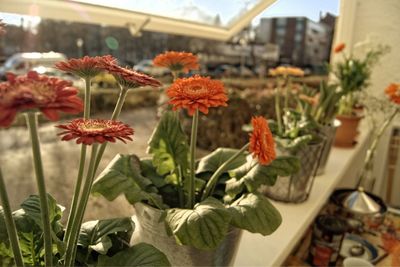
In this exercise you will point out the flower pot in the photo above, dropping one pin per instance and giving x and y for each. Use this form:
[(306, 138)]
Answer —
[(296, 188), (347, 131), (329, 132), (150, 229)]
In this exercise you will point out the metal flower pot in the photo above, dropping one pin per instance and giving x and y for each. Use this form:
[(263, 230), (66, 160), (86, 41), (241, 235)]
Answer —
[(329, 132), (150, 228), (296, 188)]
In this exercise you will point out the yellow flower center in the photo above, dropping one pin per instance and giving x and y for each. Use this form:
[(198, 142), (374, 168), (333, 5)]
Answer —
[(198, 90), (42, 93), (93, 127)]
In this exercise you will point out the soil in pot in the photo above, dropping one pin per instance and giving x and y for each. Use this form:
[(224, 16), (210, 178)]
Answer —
[(347, 131)]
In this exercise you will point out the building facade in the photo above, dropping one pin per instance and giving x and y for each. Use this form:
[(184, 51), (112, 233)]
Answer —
[(301, 41)]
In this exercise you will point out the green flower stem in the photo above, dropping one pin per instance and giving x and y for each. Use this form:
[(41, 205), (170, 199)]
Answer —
[(75, 197), (10, 224), (278, 110), (86, 111), (78, 185), (328, 103), (371, 151), (193, 142), (287, 86), (117, 111), (175, 75), (76, 225), (209, 189), (180, 187), (31, 120)]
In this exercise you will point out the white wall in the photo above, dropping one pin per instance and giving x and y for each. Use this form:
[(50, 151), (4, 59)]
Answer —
[(377, 22)]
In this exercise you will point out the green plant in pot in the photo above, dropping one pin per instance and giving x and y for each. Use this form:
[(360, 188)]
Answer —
[(321, 107), (352, 76), (295, 133), (193, 209)]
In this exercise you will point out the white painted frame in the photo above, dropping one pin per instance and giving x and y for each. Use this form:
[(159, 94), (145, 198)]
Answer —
[(88, 13)]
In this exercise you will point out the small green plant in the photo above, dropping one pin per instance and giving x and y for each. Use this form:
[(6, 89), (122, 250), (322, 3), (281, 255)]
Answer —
[(352, 75)]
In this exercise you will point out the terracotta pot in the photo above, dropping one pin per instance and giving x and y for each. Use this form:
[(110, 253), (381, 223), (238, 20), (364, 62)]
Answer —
[(347, 131)]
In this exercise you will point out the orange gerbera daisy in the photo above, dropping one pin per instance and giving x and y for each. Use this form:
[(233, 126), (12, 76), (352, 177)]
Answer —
[(91, 131), (197, 93), (339, 48), (33, 91), (393, 91), (86, 67), (127, 77), (262, 144), (177, 61)]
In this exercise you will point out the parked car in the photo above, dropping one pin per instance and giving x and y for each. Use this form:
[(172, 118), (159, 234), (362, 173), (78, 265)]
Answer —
[(146, 66), (230, 71), (21, 63), (51, 71)]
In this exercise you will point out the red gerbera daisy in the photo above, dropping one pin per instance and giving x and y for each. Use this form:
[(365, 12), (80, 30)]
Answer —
[(339, 48), (197, 93), (127, 77), (393, 91), (177, 61), (86, 67), (33, 91), (95, 131), (262, 144)]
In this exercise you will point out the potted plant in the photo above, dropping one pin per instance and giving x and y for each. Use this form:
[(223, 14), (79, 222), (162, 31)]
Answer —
[(320, 106), (193, 209), (296, 135), (34, 235), (352, 76)]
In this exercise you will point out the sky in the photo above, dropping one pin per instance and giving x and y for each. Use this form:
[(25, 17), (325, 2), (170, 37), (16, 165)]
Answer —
[(306, 8), (227, 9)]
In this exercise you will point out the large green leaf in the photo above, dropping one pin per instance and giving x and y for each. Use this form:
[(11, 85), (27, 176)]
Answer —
[(215, 159), (203, 227), (149, 171), (29, 226), (139, 255), (168, 145), (94, 235), (123, 176), (252, 175), (31, 206), (295, 143), (254, 213)]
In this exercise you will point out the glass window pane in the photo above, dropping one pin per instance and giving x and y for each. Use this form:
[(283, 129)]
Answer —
[(218, 13)]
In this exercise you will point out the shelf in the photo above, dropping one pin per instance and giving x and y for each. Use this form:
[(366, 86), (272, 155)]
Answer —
[(342, 168)]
